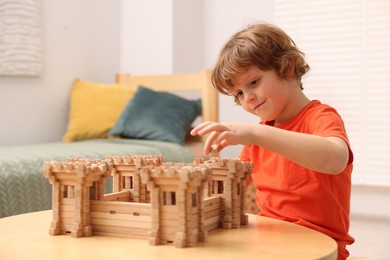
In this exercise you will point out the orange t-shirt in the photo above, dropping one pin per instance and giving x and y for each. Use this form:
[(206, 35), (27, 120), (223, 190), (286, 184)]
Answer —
[(290, 192)]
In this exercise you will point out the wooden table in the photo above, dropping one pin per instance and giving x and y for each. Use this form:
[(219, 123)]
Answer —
[(26, 237)]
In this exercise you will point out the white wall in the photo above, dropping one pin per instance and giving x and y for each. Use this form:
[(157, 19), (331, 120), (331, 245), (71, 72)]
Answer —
[(188, 34), (81, 39), (163, 36), (370, 201), (146, 43)]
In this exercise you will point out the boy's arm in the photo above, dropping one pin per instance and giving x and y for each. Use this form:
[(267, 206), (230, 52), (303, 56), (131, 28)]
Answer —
[(323, 154)]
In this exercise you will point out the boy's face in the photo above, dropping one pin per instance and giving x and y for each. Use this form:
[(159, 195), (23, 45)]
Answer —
[(265, 94)]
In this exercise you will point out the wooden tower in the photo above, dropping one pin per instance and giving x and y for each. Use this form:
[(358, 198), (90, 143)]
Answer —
[(126, 176), (74, 183), (177, 204), (228, 179)]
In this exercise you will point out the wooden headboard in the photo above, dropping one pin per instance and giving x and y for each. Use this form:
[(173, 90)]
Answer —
[(180, 82)]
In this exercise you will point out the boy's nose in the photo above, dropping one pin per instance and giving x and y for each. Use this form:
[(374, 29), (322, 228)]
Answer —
[(250, 97)]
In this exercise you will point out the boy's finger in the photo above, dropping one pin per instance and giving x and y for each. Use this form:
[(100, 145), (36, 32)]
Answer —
[(209, 142), (196, 129)]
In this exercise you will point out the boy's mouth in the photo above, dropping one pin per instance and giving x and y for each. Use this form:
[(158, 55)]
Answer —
[(258, 106)]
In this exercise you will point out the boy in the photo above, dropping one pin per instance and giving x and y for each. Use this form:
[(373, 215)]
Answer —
[(300, 149)]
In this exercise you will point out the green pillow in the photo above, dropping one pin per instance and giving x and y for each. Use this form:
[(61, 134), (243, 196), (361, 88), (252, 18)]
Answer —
[(157, 115)]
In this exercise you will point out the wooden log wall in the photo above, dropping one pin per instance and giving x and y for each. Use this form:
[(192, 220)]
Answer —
[(124, 219), (212, 212)]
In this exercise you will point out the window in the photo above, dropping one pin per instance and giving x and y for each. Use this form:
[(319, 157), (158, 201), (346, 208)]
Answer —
[(128, 182), (93, 191), (347, 45), (218, 187), (169, 198), (194, 200), (68, 191)]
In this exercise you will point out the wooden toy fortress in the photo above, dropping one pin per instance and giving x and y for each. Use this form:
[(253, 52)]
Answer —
[(166, 203)]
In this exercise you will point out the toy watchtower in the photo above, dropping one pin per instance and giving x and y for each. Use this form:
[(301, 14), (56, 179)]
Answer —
[(228, 179), (177, 204), (126, 175), (74, 183)]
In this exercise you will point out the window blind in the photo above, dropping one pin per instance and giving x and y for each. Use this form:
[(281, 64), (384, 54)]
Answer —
[(347, 45)]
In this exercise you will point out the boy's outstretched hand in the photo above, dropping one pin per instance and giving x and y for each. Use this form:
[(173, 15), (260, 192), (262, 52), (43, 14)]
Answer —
[(223, 135)]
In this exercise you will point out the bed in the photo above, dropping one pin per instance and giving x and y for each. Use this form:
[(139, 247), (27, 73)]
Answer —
[(121, 131)]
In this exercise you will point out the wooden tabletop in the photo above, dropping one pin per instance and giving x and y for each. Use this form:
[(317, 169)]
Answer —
[(26, 237)]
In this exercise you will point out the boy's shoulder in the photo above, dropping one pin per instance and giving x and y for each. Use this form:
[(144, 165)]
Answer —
[(315, 106), (316, 111)]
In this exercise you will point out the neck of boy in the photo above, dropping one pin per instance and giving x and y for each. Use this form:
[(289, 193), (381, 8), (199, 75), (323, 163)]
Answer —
[(293, 108)]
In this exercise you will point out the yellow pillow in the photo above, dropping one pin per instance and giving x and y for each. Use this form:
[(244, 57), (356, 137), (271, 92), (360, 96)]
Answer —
[(95, 108)]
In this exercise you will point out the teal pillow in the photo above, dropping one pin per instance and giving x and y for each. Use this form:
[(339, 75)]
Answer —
[(157, 115)]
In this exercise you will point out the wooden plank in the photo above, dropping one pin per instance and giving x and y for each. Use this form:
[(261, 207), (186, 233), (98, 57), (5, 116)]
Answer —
[(125, 170), (69, 207), (122, 207), (67, 201), (117, 196), (169, 208), (124, 199), (212, 203), (120, 223), (169, 215), (219, 174), (67, 214), (121, 231), (213, 199), (212, 213), (169, 223), (69, 218), (212, 226), (168, 233), (172, 82), (68, 182), (211, 220), (66, 176), (128, 217), (173, 182), (66, 225)]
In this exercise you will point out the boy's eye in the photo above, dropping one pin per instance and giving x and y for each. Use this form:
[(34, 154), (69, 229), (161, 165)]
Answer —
[(253, 82)]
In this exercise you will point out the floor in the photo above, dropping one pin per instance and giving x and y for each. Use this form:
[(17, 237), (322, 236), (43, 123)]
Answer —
[(372, 238)]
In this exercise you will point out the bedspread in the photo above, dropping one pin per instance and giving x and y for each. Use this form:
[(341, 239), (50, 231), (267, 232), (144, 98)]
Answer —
[(23, 187)]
